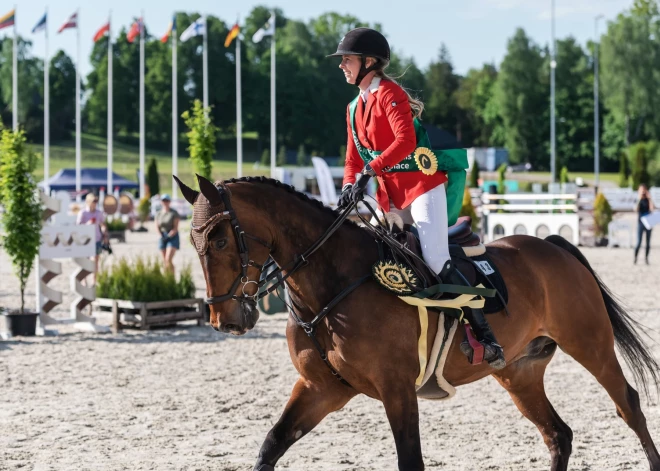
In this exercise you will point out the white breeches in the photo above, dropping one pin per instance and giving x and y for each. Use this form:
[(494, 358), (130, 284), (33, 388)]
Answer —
[(429, 213)]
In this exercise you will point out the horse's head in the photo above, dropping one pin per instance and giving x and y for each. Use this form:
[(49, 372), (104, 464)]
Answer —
[(230, 270)]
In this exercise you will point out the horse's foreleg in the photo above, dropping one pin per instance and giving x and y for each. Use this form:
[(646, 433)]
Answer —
[(308, 405), (403, 415), (524, 382)]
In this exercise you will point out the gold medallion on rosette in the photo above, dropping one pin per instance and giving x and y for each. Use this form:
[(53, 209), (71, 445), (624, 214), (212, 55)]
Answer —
[(395, 277), (426, 160)]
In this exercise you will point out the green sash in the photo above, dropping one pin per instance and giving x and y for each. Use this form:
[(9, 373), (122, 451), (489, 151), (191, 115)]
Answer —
[(452, 161)]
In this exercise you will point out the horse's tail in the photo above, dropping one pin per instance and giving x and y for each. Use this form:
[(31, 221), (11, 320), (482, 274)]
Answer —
[(636, 354)]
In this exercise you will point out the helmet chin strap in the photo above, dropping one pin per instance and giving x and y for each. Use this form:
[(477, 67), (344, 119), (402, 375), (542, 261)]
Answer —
[(364, 70)]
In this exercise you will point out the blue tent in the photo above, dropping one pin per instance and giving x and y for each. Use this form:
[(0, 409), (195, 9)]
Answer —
[(90, 179)]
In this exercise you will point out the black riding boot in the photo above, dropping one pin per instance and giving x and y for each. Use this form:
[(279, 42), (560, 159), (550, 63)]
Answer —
[(493, 352)]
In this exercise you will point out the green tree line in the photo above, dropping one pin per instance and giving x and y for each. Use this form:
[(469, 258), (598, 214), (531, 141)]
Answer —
[(504, 104)]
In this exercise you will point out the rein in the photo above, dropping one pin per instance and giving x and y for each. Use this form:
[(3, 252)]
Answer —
[(298, 262)]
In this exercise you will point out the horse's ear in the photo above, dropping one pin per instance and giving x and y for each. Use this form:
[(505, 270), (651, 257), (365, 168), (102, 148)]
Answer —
[(209, 190), (188, 193)]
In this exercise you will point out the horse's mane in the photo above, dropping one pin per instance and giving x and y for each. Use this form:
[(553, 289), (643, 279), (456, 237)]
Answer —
[(290, 189)]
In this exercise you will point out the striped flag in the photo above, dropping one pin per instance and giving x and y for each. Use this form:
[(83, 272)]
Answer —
[(102, 31), (134, 32), (72, 22), (233, 33), (7, 20), (170, 29), (41, 25), (198, 28)]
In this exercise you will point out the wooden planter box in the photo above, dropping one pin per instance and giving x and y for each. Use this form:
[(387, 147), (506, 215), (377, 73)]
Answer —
[(146, 315), (120, 236)]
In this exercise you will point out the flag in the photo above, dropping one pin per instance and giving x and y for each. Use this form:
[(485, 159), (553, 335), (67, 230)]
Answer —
[(195, 29), (233, 33), (171, 28), (41, 25), (7, 20), (102, 31), (72, 22), (134, 32), (267, 30)]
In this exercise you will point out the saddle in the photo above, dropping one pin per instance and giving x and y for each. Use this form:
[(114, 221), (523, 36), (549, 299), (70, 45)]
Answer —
[(462, 243), (467, 253)]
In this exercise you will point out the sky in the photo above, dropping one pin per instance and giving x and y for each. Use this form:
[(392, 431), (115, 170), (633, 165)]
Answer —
[(475, 31)]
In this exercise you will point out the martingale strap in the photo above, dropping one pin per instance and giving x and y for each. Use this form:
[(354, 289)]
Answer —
[(310, 327)]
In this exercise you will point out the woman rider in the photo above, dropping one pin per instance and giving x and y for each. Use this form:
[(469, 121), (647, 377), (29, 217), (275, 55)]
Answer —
[(382, 120)]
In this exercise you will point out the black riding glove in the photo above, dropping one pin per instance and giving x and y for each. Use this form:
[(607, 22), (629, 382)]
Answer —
[(361, 184), (345, 198)]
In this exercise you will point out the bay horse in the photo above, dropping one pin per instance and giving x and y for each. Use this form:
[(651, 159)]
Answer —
[(371, 337)]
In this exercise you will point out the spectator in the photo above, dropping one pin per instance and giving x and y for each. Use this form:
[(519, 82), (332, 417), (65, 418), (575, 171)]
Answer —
[(644, 208), (92, 215), (167, 222)]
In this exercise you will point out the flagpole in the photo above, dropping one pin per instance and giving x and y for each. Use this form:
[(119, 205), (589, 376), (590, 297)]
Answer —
[(109, 189), (14, 79), (46, 112), (205, 79), (175, 116), (239, 111), (273, 143), (142, 176), (78, 150)]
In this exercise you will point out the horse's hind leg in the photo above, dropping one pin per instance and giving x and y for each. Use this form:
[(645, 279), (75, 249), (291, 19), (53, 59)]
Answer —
[(523, 380), (595, 351)]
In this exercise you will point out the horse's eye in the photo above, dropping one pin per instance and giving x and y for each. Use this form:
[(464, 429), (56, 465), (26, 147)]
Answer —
[(219, 244)]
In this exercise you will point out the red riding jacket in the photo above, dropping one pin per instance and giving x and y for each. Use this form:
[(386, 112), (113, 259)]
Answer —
[(385, 123)]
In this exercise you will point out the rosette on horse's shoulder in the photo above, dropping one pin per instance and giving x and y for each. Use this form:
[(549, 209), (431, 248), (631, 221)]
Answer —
[(395, 277)]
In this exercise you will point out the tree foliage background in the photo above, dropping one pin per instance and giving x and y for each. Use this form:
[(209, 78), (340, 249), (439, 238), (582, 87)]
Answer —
[(503, 104)]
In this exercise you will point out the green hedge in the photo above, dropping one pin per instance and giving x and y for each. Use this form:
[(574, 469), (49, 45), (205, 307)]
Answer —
[(116, 225), (143, 280)]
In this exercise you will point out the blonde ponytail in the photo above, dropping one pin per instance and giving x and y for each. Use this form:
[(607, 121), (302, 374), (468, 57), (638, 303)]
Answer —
[(417, 106)]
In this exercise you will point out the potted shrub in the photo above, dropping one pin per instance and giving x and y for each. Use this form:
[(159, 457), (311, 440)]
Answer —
[(602, 219), (143, 211), (474, 175), (21, 220), (467, 209)]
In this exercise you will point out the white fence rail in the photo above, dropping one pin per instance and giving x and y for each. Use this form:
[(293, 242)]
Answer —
[(537, 215)]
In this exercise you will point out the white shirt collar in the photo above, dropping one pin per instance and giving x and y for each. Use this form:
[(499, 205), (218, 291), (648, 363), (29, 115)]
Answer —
[(373, 86)]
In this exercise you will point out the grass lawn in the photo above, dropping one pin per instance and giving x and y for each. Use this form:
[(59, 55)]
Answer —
[(126, 161)]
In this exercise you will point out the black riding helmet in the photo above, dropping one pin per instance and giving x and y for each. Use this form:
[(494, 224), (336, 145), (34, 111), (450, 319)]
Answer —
[(364, 42)]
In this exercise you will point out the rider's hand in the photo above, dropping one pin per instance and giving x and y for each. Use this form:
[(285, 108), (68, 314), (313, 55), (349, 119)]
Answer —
[(345, 198), (358, 189)]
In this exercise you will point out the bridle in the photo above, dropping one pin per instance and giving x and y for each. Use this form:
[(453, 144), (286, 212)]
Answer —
[(240, 236)]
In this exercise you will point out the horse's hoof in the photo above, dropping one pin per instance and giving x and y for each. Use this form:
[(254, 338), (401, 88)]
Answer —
[(264, 467)]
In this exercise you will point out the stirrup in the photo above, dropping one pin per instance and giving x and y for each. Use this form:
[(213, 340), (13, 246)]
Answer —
[(477, 351), (492, 353)]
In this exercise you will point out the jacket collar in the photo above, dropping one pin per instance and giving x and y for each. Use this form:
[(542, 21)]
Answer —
[(372, 88)]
